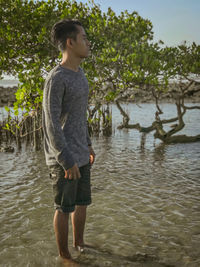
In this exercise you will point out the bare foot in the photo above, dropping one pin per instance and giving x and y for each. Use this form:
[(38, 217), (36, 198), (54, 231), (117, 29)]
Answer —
[(81, 248), (68, 262)]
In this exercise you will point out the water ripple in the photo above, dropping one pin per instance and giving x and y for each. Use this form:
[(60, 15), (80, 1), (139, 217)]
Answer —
[(145, 211)]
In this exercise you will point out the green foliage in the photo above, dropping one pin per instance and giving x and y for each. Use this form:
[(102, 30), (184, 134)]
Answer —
[(7, 108), (10, 125), (124, 55)]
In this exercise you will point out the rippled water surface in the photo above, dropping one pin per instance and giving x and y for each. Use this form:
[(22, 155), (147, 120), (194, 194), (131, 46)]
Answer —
[(146, 202)]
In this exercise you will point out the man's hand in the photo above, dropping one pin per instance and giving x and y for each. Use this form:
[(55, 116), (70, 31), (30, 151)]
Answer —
[(92, 155), (73, 173)]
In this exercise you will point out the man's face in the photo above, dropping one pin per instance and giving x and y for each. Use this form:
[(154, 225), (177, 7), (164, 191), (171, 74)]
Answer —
[(81, 46)]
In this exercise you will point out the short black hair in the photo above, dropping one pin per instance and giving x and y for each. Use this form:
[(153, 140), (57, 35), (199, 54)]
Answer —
[(62, 30)]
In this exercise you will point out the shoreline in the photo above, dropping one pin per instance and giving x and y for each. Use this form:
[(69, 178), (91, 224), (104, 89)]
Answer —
[(7, 97)]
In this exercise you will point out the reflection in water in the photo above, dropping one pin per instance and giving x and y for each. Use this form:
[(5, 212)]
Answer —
[(159, 153), (143, 142), (145, 209)]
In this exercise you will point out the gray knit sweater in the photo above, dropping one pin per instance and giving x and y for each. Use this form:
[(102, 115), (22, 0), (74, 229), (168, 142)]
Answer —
[(64, 119)]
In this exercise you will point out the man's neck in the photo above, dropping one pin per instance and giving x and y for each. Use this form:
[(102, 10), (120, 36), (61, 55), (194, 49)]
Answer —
[(70, 62)]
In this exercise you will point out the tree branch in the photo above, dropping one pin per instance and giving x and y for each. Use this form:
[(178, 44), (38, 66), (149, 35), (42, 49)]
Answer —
[(23, 135), (123, 113), (156, 98), (193, 107)]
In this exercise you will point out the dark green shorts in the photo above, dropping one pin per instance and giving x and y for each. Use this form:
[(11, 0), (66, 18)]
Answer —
[(69, 193)]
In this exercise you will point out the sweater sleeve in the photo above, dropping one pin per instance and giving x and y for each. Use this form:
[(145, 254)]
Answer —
[(52, 107)]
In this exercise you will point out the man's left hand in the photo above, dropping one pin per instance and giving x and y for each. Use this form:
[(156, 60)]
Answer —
[(92, 155)]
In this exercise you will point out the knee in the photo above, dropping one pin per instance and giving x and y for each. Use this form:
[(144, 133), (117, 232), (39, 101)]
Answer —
[(80, 207)]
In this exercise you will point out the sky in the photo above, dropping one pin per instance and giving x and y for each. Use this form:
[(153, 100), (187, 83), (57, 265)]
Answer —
[(174, 21)]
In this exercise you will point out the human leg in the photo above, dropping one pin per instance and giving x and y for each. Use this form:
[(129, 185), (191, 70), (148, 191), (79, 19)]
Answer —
[(83, 199), (61, 232), (78, 218), (64, 199)]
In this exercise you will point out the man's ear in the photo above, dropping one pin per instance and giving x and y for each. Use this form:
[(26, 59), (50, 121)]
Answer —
[(69, 42)]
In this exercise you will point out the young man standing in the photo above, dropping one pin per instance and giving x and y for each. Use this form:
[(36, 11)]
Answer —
[(67, 144)]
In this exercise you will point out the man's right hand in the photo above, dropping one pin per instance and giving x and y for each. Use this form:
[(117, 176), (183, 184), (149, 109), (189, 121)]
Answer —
[(73, 173)]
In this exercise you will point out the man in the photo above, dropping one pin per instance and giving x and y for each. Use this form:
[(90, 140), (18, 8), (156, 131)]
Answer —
[(67, 144)]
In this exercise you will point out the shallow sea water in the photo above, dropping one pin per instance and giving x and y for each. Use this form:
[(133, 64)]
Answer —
[(146, 202)]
